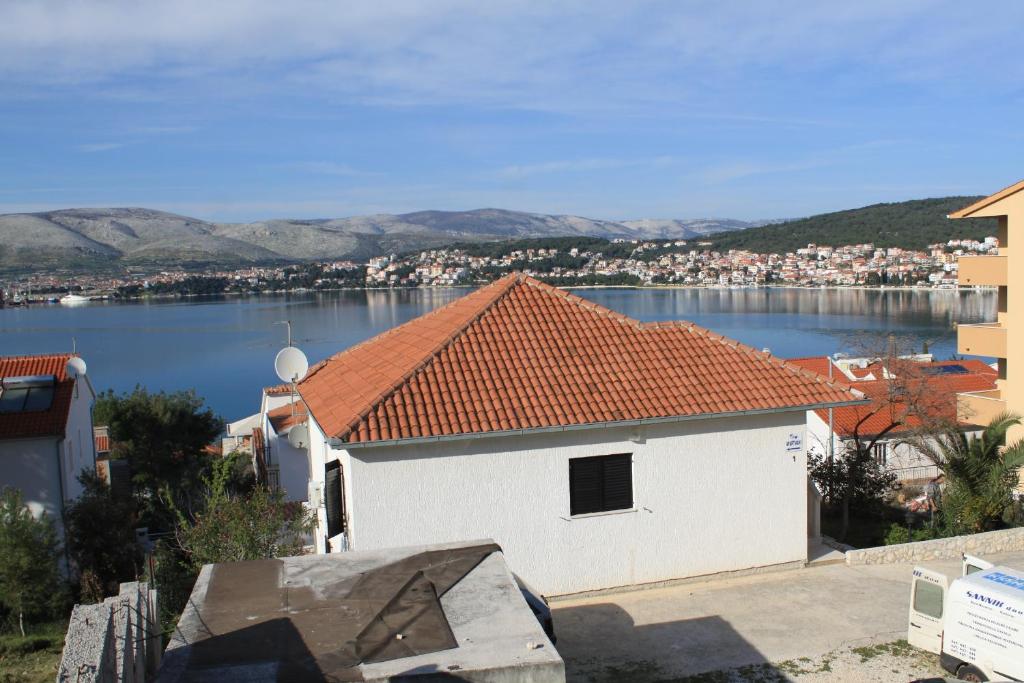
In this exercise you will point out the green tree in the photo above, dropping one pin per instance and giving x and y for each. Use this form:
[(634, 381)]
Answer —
[(30, 584), (101, 535), (163, 436), (234, 527), (980, 475)]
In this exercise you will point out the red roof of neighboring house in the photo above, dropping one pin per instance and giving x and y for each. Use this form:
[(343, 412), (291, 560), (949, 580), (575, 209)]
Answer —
[(818, 365), (41, 423), (931, 398), (282, 417), (519, 354), (102, 443), (277, 389)]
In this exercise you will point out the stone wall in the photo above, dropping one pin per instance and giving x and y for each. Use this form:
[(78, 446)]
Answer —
[(115, 641), (1007, 540)]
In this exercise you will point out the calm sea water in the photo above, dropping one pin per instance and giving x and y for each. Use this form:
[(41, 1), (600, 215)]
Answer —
[(225, 347)]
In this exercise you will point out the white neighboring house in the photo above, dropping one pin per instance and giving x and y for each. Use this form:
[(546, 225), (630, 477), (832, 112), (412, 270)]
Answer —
[(935, 384), (264, 436), (598, 451), (46, 431)]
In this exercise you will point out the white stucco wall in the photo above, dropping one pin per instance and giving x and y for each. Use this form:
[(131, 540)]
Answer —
[(710, 496), (30, 465), (79, 447), (292, 463)]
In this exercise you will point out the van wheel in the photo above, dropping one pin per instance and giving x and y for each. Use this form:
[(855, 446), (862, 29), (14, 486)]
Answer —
[(970, 673)]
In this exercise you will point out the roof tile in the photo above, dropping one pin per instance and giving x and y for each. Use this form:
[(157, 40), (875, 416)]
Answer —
[(519, 353)]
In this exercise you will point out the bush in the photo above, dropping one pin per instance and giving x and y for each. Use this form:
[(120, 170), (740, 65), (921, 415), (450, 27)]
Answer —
[(235, 527), (897, 534), (172, 575), (900, 534)]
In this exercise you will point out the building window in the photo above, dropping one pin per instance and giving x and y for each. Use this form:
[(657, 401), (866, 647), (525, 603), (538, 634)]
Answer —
[(880, 451), (334, 499), (601, 483)]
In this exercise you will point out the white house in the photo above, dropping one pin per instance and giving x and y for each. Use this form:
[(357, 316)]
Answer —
[(598, 451), (904, 394), (46, 431), (264, 436)]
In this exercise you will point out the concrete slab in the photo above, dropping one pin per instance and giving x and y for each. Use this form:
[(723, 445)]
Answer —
[(685, 630), (819, 554), (370, 616)]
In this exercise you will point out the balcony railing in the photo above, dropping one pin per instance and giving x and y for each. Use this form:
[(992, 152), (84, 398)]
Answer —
[(979, 407), (990, 271), (988, 339), (274, 477), (918, 474)]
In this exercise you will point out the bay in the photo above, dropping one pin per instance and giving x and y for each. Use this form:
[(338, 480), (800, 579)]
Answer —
[(224, 347)]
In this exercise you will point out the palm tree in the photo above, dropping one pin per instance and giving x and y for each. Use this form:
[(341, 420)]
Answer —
[(980, 474)]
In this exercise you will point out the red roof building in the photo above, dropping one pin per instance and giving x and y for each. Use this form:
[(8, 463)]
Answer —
[(906, 395), (49, 421), (46, 431), (521, 355), (597, 450)]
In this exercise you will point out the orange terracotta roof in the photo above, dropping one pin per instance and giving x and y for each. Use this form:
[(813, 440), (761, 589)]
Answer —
[(930, 398), (277, 389), (50, 422), (519, 354), (282, 417), (988, 201), (102, 443), (816, 364)]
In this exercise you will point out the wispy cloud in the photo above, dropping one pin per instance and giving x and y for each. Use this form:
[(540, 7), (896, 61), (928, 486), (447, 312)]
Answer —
[(99, 147), (526, 54), (165, 130), (519, 171), (329, 168)]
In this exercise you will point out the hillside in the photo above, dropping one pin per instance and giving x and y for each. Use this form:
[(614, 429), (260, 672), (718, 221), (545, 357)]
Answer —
[(912, 224), (111, 239)]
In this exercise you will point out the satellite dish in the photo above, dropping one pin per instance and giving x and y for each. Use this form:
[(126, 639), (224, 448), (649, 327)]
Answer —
[(298, 437), (291, 364), (75, 368)]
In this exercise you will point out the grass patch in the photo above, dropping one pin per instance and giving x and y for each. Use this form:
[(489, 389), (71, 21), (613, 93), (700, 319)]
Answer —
[(898, 648), (32, 658)]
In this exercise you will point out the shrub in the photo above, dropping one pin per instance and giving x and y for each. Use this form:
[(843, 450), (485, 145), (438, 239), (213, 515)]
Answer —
[(897, 534), (900, 534)]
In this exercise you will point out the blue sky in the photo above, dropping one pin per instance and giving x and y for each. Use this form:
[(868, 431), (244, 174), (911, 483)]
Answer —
[(240, 110)]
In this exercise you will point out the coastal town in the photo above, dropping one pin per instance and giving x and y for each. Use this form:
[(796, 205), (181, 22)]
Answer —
[(560, 261), (511, 342)]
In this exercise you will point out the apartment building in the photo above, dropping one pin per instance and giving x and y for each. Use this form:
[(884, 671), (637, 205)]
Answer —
[(1004, 338)]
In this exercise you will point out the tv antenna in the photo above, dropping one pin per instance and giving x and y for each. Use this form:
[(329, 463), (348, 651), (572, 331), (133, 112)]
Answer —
[(289, 324)]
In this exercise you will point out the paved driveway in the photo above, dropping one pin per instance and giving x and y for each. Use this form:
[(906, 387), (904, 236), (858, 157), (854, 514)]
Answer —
[(672, 632)]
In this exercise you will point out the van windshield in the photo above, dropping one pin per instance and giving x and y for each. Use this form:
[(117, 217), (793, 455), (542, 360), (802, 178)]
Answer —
[(928, 599)]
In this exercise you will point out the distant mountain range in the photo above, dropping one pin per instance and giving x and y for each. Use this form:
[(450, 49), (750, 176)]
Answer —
[(108, 239), (101, 239)]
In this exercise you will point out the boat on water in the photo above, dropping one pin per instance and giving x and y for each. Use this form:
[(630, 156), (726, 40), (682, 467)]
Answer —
[(74, 299)]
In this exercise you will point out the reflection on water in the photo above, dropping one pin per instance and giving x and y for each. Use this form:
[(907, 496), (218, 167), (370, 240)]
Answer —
[(224, 347)]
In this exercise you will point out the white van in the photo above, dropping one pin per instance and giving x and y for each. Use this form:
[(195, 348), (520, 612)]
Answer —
[(975, 624)]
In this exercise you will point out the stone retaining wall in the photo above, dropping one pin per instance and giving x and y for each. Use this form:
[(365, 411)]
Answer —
[(1007, 540), (115, 641)]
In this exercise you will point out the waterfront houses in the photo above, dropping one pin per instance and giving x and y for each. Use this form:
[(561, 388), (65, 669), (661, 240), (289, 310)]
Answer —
[(620, 262)]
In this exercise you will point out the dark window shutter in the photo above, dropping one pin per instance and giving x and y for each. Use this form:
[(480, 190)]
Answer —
[(334, 499), (600, 484)]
